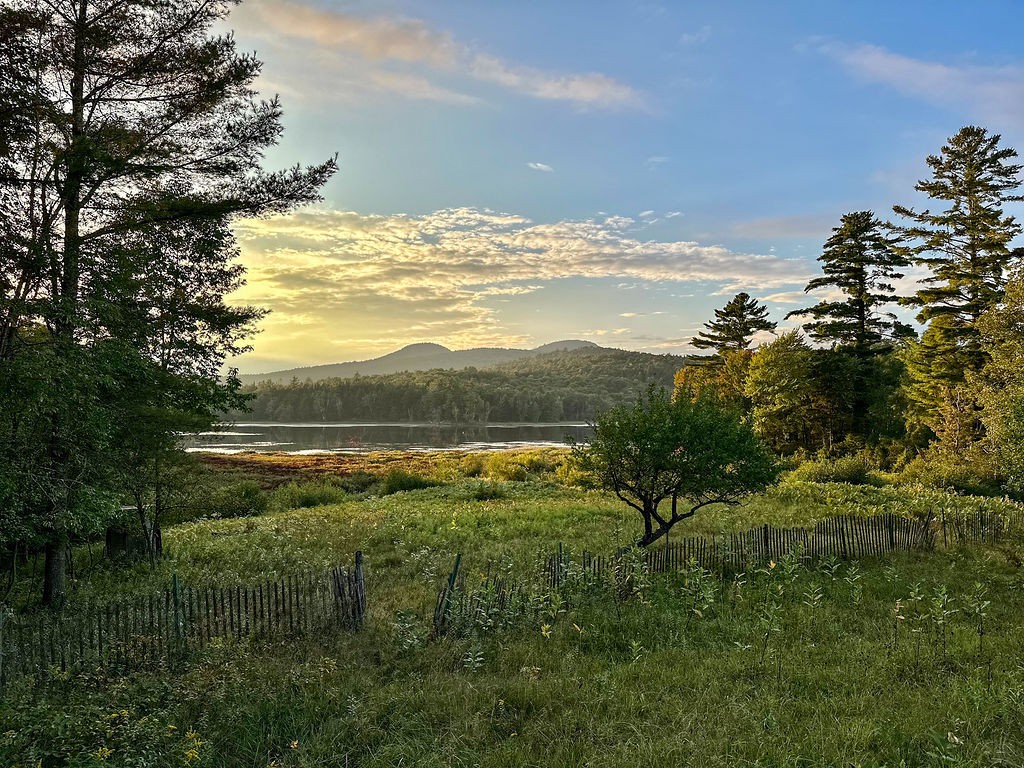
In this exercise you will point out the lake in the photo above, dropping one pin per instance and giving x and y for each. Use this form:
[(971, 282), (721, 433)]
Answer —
[(325, 438)]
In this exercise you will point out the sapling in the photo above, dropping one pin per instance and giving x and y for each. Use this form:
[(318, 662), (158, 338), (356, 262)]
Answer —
[(699, 586), (978, 607), (942, 611)]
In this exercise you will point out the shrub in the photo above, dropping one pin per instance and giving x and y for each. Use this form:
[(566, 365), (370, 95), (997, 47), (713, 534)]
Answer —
[(472, 465), (506, 465), (488, 491), (396, 480), (308, 493), (961, 475), (854, 470), (244, 498)]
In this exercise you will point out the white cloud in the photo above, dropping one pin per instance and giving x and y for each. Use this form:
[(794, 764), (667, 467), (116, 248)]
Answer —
[(993, 93), (540, 167), (352, 51), (645, 214)]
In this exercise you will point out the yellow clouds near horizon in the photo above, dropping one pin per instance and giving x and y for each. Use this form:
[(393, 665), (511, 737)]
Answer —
[(342, 283)]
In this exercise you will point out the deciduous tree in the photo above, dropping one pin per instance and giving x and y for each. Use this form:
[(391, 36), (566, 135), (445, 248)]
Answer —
[(662, 448)]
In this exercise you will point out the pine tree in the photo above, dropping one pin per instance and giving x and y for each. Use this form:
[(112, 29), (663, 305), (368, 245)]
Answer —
[(141, 124), (734, 325), (859, 260), (966, 246)]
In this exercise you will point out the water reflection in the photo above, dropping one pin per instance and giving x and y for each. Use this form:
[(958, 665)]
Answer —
[(316, 438)]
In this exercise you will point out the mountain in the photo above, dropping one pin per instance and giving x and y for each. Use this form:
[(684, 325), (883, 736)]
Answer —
[(415, 357)]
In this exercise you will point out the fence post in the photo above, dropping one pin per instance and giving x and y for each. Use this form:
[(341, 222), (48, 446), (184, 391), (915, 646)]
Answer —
[(360, 586), (176, 597)]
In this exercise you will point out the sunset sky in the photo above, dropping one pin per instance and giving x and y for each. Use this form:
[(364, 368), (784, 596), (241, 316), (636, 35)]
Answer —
[(512, 173)]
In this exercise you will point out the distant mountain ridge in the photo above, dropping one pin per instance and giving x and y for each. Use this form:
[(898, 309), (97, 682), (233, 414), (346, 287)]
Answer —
[(416, 357)]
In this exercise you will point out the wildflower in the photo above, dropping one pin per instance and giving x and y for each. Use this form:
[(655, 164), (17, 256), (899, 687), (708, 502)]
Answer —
[(294, 744), (545, 630), (771, 565)]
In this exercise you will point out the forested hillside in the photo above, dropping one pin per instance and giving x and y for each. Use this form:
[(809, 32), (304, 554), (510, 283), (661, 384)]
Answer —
[(560, 386)]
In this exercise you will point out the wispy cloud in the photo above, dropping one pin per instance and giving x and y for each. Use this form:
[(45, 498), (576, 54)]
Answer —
[(540, 167), (702, 35), (989, 92), (436, 276), (380, 44)]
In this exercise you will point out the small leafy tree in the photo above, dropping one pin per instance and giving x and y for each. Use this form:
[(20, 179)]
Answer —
[(734, 325), (662, 449)]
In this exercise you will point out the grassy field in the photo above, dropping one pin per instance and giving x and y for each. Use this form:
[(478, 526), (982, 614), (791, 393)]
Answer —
[(915, 660)]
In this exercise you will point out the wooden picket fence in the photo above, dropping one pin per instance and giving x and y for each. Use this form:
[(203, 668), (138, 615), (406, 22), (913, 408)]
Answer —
[(165, 627), (848, 537)]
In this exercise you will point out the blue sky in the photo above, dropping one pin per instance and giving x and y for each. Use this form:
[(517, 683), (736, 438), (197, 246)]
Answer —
[(512, 173)]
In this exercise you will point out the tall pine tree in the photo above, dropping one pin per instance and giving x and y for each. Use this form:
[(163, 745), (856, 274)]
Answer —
[(859, 260), (966, 247), (142, 124), (734, 325)]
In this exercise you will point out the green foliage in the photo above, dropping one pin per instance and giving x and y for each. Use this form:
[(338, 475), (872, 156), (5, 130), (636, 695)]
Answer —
[(859, 260), (243, 498), (396, 480), (959, 474), (966, 246), (1000, 385), (570, 385), (855, 470), (308, 493), (660, 448), (734, 325), (390, 695)]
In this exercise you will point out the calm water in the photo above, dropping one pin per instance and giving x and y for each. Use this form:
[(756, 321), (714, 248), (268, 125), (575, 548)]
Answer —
[(317, 438)]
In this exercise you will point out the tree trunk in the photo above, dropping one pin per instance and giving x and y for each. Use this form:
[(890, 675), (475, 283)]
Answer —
[(55, 571)]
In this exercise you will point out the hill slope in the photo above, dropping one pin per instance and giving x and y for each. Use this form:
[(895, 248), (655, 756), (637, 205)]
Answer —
[(414, 357), (571, 385)]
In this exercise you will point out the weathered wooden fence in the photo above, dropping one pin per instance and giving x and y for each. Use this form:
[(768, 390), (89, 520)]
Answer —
[(847, 537), (165, 627)]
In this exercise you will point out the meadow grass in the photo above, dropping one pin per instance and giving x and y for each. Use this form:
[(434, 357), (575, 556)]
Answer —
[(877, 663)]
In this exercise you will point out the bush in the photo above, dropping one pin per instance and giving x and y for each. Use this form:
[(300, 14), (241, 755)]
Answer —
[(396, 480), (308, 493), (488, 491), (854, 470), (244, 498), (506, 465), (472, 465), (963, 475)]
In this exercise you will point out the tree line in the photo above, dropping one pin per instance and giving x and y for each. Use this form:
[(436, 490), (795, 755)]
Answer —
[(573, 385), (857, 377)]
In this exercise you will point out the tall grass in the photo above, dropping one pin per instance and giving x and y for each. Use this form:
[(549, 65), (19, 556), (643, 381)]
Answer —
[(904, 661)]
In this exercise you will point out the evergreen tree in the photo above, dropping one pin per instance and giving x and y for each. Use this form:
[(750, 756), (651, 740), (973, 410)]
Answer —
[(734, 325), (859, 260), (143, 128), (966, 245)]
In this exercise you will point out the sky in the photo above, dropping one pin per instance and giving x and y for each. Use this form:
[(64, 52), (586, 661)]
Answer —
[(514, 173)]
